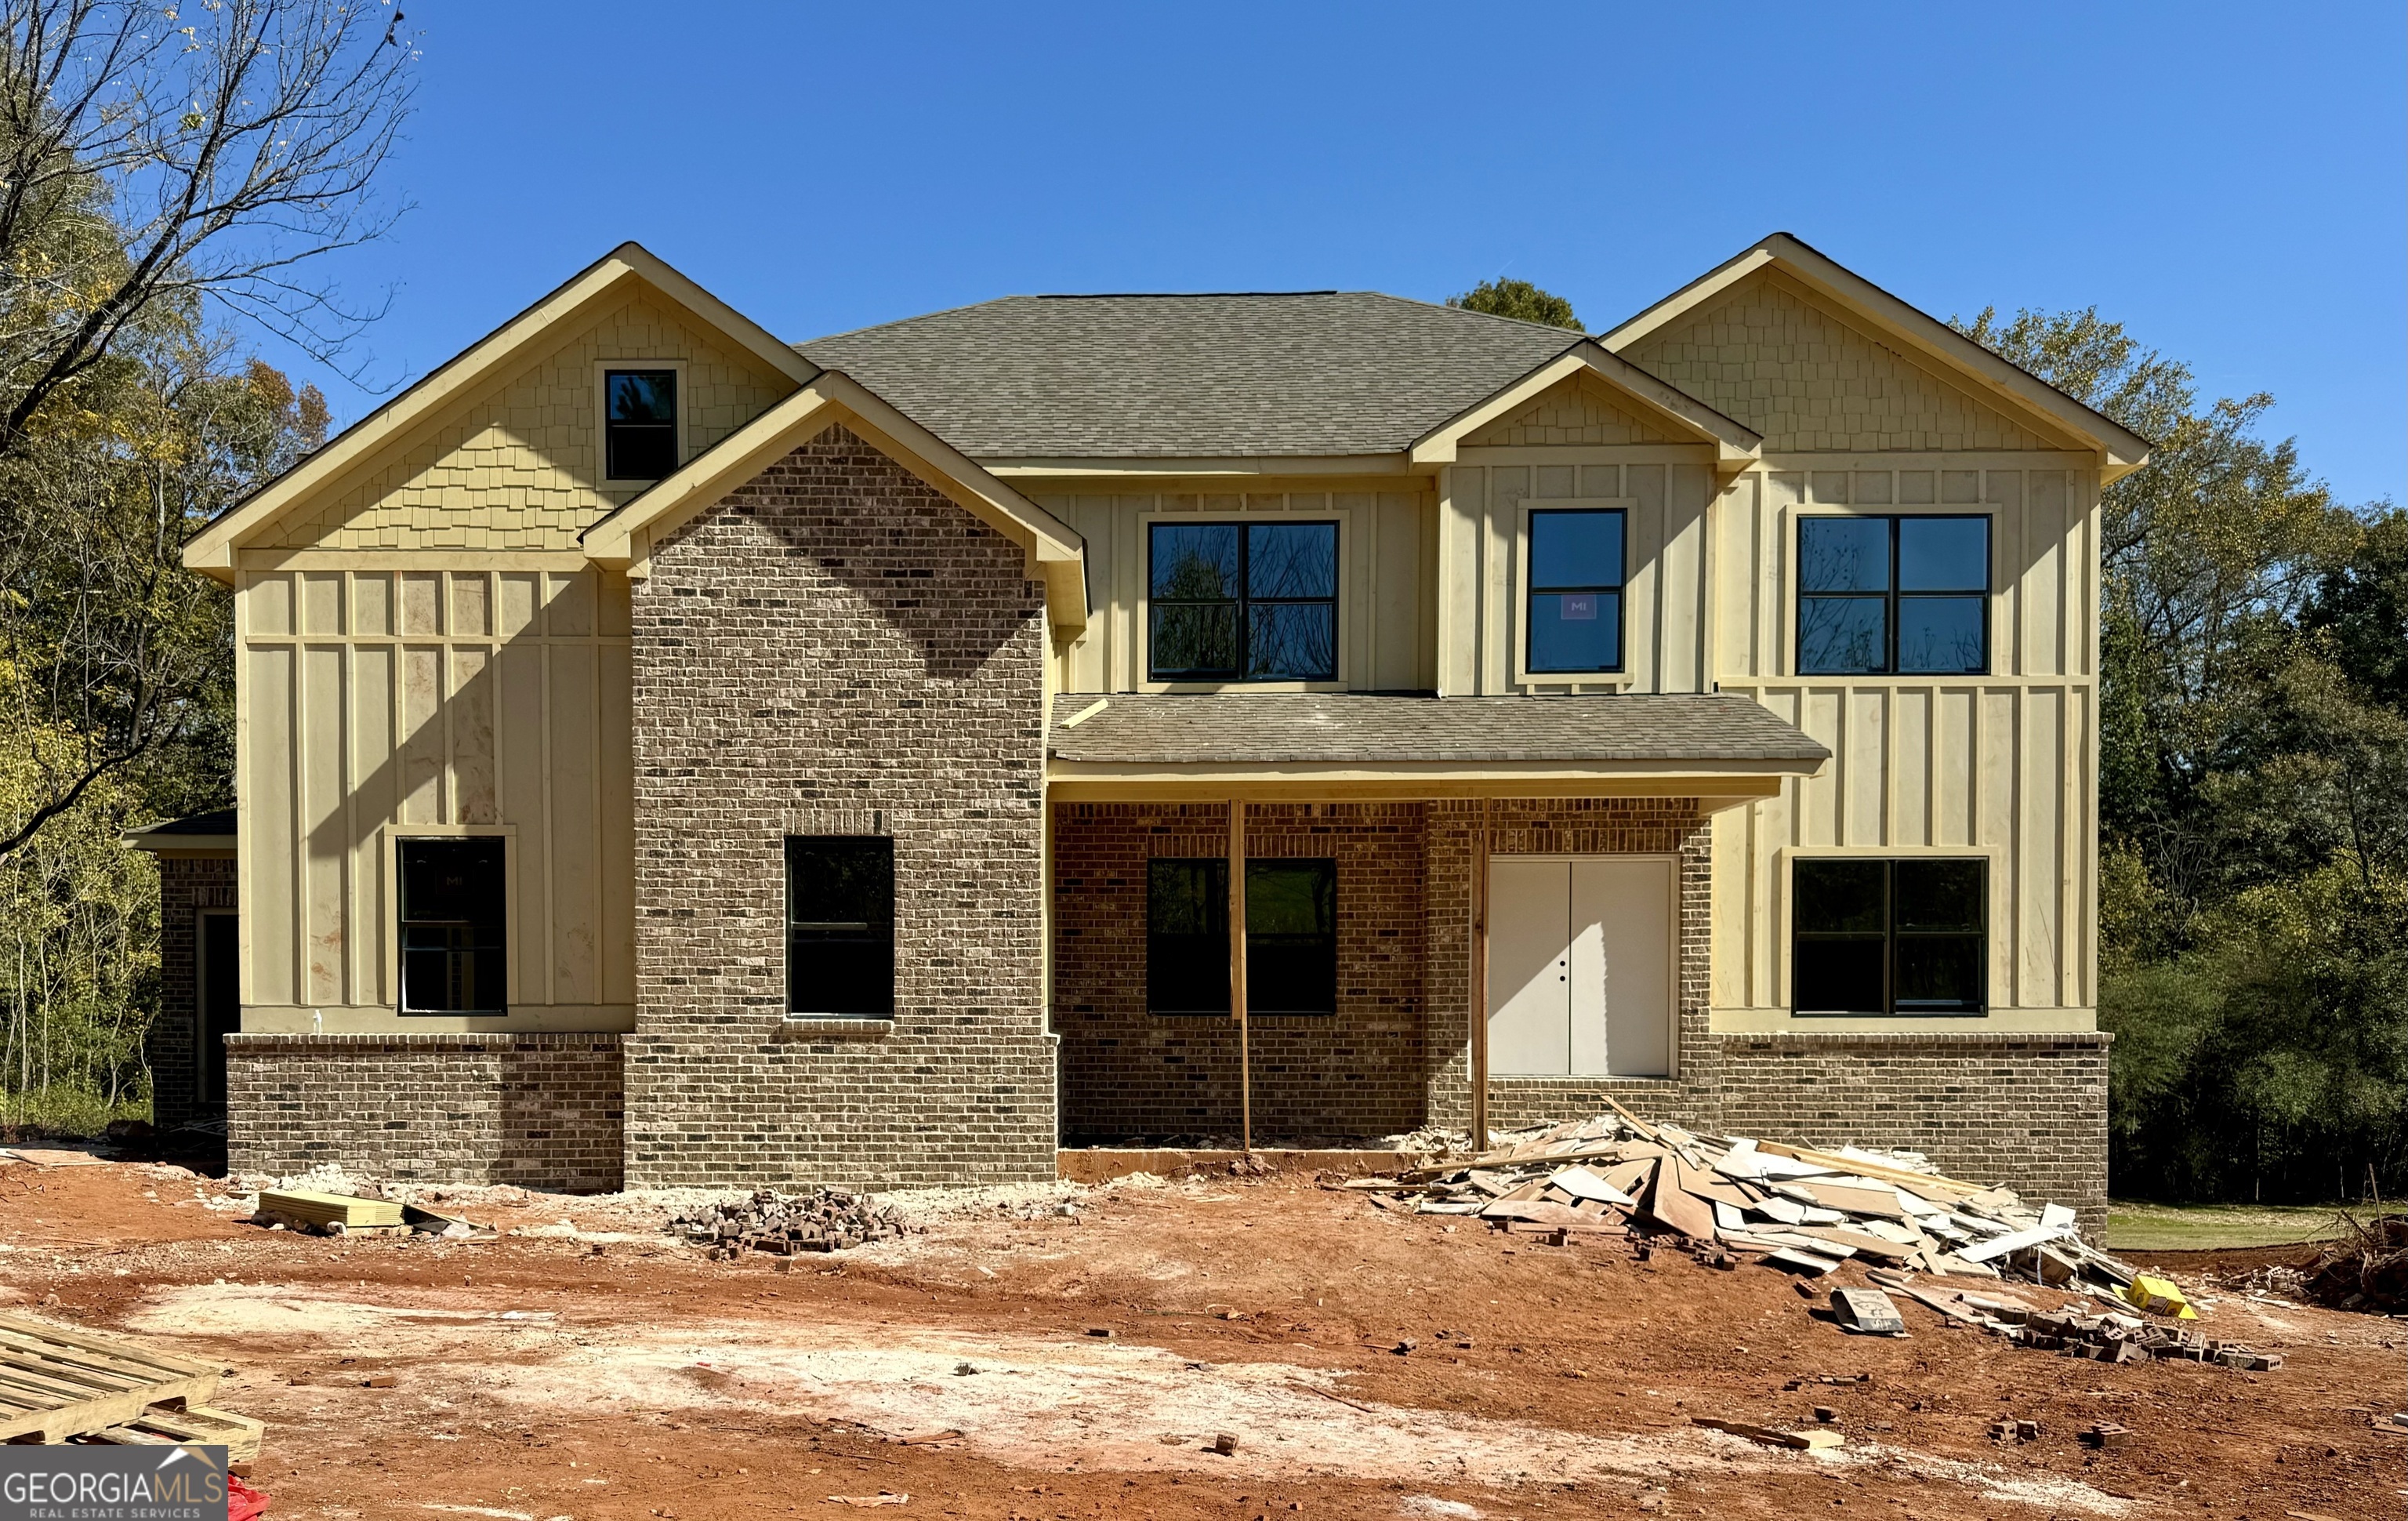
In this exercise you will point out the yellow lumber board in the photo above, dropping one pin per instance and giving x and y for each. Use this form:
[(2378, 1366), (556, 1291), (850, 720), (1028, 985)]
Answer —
[(325, 1209)]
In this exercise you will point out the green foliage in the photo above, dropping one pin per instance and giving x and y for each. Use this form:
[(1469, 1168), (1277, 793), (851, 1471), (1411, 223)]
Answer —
[(2254, 793), (1518, 299)]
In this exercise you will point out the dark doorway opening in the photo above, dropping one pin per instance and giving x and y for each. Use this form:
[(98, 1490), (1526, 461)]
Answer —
[(221, 1010)]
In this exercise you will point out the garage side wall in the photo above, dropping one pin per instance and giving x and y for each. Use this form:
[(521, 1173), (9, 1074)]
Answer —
[(837, 649)]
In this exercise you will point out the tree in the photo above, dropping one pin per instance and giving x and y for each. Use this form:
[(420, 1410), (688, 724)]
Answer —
[(1520, 300), (158, 174)]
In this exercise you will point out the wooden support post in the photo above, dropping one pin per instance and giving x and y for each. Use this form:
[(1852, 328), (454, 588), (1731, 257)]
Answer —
[(1479, 1001), (1238, 968)]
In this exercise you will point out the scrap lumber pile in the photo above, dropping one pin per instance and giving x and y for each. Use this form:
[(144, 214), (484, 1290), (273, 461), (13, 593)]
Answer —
[(1807, 1212), (59, 1384), (2105, 1334), (824, 1220), (2366, 1268)]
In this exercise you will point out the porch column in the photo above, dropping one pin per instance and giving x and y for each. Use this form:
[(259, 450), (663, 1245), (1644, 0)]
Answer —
[(1238, 968), (1479, 983)]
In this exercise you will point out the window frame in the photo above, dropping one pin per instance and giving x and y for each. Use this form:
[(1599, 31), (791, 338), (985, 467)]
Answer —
[(787, 926), (1150, 679), (400, 840), (1527, 588), (1991, 859), (1893, 595), (603, 370), (1216, 869)]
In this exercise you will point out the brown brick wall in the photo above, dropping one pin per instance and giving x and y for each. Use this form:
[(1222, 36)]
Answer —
[(171, 1047), (2027, 1110), (837, 647), (538, 1110), (1126, 1072)]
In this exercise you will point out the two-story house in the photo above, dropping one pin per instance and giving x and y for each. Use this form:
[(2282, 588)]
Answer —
[(668, 755)]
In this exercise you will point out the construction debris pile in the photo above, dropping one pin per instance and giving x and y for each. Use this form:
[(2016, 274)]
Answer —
[(1807, 1212), (2364, 1268), (784, 1225)]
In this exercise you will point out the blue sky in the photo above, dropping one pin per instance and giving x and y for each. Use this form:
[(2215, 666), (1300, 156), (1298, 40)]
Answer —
[(2229, 181)]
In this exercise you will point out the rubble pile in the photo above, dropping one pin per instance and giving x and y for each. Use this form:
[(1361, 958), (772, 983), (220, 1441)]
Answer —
[(2365, 1268), (785, 1224), (1807, 1211)]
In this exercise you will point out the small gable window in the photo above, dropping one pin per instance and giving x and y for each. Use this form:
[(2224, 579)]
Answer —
[(1575, 607), (1905, 595), (1243, 602), (640, 410)]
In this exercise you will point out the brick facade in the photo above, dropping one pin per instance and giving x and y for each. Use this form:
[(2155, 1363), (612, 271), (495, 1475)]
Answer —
[(837, 649), (2026, 1111), (188, 885), (538, 1110)]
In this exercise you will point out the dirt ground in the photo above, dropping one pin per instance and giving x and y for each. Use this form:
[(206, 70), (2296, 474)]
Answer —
[(584, 1367)]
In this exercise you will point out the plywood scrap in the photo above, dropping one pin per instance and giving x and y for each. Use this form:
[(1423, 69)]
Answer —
[(312, 1210), (1771, 1435)]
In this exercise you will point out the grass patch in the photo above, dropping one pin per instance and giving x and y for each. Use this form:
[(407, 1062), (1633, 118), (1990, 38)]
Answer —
[(64, 1113), (2206, 1228)]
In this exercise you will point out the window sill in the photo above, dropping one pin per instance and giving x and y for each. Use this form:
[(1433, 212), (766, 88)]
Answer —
[(1902, 1014), (833, 1027), (1223, 1014)]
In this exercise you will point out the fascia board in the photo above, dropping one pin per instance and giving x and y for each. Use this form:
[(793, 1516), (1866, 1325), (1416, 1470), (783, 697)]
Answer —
[(1732, 441), (1517, 772), (757, 340), (2122, 450)]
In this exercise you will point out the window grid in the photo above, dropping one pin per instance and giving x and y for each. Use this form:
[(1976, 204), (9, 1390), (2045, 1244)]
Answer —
[(1897, 938), (1893, 598), (1242, 606)]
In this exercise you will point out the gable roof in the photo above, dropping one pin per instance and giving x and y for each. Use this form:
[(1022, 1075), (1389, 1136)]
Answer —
[(1735, 443), (1187, 377), (624, 537), (513, 344), (1962, 361)]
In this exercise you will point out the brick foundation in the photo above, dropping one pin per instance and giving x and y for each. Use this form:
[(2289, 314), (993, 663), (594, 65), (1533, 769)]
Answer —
[(538, 1110), (188, 884), (837, 649)]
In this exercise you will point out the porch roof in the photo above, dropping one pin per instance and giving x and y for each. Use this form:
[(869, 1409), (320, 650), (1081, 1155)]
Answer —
[(1701, 742)]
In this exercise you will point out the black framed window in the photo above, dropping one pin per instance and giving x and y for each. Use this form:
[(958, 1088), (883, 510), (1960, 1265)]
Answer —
[(1574, 611), (1243, 601), (840, 926), (454, 955), (1291, 937), (1875, 937), (1909, 596), (639, 424)]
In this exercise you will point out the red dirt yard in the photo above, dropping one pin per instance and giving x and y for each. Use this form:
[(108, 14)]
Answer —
[(583, 1366)]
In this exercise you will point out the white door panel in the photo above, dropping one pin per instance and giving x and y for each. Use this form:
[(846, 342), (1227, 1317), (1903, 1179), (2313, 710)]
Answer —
[(1529, 1011), (1624, 903)]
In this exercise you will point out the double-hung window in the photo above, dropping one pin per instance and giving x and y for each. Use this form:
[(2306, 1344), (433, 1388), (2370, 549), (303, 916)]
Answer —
[(1907, 596), (1291, 937), (1243, 601), (454, 954), (1905, 937), (639, 429), (840, 926), (1574, 611)]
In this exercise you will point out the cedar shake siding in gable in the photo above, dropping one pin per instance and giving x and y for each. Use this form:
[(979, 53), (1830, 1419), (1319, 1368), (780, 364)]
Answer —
[(837, 649)]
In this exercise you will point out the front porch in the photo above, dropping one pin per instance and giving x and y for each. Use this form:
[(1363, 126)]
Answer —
[(1406, 805)]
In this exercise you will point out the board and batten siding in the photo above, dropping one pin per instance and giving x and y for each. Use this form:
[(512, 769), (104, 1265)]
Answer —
[(1387, 561), (1663, 489), (2003, 766), (384, 703)]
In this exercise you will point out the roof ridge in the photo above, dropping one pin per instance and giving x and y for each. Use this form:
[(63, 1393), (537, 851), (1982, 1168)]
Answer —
[(1572, 333)]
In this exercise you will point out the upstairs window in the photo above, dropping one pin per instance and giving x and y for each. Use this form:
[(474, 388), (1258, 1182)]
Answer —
[(1574, 613), (840, 926), (639, 408), (1882, 937), (1242, 602), (453, 956), (1906, 595), (1291, 937)]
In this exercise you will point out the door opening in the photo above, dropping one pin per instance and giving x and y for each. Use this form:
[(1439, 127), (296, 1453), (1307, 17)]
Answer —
[(219, 1014)]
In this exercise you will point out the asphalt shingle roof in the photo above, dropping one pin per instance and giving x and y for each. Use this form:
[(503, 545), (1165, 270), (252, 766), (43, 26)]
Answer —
[(1273, 729), (1324, 372)]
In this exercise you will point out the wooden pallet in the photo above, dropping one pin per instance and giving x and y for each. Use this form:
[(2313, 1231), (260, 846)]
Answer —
[(198, 1425), (56, 1382)]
